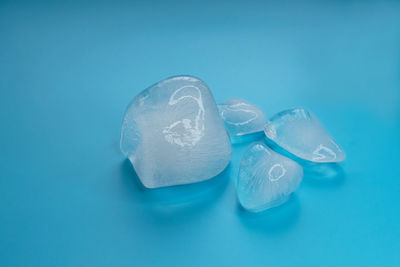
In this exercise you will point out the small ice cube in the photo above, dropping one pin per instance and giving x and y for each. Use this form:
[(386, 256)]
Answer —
[(241, 118), (266, 179), (299, 132)]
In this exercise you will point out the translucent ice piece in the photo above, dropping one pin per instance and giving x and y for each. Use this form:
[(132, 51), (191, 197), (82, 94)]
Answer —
[(172, 133), (241, 118), (266, 178), (299, 132)]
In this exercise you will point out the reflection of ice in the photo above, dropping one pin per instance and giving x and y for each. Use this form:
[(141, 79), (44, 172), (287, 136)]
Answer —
[(184, 132), (276, 172), (239, 107), (322, 152)]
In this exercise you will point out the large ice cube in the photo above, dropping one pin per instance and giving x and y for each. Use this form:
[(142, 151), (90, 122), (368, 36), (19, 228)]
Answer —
[(241, 118), (299, 132), (172, 133), (266, 179)]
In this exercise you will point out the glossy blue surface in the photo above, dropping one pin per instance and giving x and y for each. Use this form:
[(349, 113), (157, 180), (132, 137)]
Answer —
[(69, 69)]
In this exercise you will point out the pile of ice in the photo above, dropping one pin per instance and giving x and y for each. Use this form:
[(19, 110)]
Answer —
[(174, 133)]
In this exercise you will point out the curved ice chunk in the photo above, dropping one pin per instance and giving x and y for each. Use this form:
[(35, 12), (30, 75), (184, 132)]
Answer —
[(299, 132), (241, 118), (172, 133), (266, 178)]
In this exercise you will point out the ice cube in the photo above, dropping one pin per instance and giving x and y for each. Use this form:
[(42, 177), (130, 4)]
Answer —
[(266, 179), (299, 132), (172, 133), (241, 118)]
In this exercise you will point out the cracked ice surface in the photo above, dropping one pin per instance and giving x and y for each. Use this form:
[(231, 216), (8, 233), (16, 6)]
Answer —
[(241, 118), (299, 132), (172, 133), (266, 179)]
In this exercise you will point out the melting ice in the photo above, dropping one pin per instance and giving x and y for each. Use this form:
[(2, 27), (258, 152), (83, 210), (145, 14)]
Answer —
[(266, 179), (172, 133), (241, 118), (299, 132)]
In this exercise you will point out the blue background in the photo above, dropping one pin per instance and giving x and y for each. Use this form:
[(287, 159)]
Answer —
[(69, 69)]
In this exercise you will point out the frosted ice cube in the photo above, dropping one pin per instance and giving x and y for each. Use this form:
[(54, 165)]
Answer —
[(241, 118), (172, 133), (299, 132), (266, 179)]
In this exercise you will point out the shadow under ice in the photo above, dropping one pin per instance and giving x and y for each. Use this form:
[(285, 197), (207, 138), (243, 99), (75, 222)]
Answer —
[(272, 221), (180, 200)]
